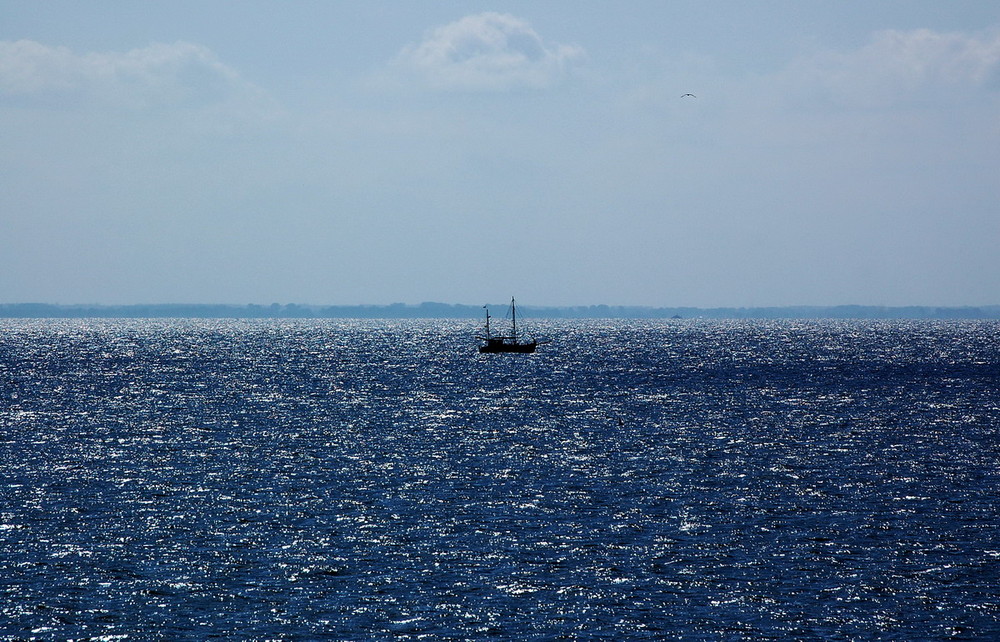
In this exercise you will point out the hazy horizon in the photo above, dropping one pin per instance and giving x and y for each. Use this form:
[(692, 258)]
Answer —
[(431, 310), (370, 153)]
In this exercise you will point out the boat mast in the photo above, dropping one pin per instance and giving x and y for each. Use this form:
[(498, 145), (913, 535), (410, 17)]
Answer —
[(513, 319)]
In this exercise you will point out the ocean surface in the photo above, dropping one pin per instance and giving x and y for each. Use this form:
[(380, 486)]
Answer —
[(355, 480)]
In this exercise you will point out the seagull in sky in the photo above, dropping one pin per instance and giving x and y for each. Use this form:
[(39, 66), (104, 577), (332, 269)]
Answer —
[(686, 95)]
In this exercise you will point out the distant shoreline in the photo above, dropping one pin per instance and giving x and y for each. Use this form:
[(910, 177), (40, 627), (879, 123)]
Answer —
[(460, 311)]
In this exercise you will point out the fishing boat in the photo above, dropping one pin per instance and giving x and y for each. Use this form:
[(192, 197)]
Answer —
[(505, 343)]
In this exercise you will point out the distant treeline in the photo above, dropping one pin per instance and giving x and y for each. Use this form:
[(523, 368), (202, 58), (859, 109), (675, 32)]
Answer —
[(458, 311)]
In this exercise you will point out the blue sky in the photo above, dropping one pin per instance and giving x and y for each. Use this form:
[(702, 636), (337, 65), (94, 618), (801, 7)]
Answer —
[(379, 152)]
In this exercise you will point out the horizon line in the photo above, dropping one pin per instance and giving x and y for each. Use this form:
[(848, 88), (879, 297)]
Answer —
[(430, 309)]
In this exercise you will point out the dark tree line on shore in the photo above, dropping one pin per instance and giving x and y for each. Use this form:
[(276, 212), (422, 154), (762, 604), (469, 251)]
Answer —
[(432, 310)]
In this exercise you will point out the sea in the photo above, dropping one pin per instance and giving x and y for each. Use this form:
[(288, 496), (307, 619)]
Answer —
[(381, 479)]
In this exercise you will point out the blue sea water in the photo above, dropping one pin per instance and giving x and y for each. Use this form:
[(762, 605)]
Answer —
[(354, 480)]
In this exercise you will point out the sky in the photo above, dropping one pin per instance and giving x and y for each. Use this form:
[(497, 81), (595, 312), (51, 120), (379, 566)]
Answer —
[(334, 152)]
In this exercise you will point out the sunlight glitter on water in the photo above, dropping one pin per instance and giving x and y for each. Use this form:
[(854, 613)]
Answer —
[(643, 480)]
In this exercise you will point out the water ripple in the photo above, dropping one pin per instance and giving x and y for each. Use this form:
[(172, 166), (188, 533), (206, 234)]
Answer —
[(632, 480)]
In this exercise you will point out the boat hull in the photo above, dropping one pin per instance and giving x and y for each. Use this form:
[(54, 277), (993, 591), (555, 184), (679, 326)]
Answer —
[(496, 346)]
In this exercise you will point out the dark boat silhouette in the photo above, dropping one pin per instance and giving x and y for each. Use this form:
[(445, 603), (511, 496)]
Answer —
[(505, 343)]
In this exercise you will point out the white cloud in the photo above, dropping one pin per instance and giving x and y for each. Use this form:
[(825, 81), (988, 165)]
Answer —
[(488, 51), (178, 73), (898, 67)]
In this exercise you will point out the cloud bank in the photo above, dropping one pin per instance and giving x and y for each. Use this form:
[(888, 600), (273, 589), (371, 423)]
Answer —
[(160, 74), (487, 51), (900, 66)]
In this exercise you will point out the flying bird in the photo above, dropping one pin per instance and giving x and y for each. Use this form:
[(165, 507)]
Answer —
[(686, 95)]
